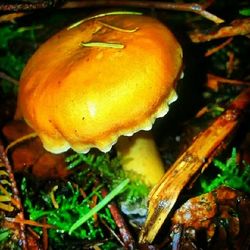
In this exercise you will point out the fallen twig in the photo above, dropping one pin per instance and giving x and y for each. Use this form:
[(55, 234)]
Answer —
[(164, 195), (8, 78), (188, 7), (126, 236), (230, 64), (45, 236), (219, 47), (239, 27), (112, 232), (43, 4), (214, 81), (11, 17)]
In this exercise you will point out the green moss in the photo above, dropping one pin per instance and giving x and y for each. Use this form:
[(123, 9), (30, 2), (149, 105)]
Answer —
[(111, 172), (8, 240), (230, 174), (74, 200), (245, 12)]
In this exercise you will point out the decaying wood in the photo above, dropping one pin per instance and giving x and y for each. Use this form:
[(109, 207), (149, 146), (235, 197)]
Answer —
[(239, 27), (164, 195)]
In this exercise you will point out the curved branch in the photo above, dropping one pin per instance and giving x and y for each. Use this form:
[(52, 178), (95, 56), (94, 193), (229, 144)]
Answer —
[(188, 7)]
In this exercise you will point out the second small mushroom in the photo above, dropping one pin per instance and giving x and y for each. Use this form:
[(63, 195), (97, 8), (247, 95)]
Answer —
[(102, 80)]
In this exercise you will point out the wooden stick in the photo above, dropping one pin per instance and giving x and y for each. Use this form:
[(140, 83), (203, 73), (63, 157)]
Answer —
[(164, 195), (8, 78), (188, 7), (45, 236), (126, 236), (219, 47), (218, 79), (239, 27)]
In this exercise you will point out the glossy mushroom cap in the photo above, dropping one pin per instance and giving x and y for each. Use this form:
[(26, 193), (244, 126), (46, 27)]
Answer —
[(108, 76)]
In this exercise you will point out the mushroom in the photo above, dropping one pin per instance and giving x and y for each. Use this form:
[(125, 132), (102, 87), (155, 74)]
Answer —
[(105, 77)]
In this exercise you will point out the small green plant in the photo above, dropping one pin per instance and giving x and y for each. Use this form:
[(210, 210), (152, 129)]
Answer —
[(231, 174)]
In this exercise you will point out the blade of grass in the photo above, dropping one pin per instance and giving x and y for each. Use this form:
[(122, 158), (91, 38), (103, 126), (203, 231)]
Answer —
[(4, 235), (118, 189)]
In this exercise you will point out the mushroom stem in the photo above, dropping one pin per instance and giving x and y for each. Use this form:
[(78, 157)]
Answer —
[(139, 155)]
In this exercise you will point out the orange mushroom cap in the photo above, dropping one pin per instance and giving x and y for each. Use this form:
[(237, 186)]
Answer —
[(109, 76)]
